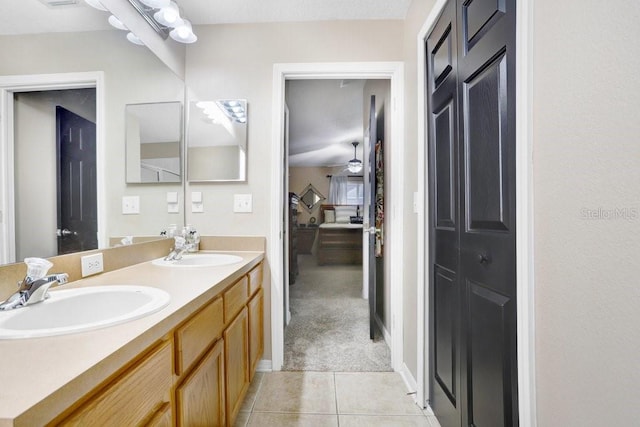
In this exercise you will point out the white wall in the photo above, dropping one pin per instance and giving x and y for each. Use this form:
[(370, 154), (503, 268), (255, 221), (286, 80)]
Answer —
[(587, 164), (132, 75), (236, 61)]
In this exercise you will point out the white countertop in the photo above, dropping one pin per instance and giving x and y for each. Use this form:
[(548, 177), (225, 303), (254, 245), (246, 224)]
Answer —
[(41, 377)]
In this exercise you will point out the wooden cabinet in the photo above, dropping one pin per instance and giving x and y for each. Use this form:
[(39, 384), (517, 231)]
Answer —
[(256, 325), (137, 396), (236, 358), (200, 400), (216, 352)]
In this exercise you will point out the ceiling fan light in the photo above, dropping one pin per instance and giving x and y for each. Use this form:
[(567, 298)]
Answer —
[(354, 166)]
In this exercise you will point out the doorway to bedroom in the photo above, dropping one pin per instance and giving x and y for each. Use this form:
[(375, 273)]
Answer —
[(337, 306)]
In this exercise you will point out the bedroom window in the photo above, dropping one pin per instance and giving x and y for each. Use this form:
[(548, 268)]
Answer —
[(355, 191)]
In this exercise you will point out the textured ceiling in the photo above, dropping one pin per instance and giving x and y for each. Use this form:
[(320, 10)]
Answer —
[(33, 16)]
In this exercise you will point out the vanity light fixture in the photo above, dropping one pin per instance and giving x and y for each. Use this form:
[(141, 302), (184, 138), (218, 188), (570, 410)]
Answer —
[(163, 16), (96, 4), (169, 16), (183, 33), (354, 164), (116, 23), (235, 110), (134, 39)]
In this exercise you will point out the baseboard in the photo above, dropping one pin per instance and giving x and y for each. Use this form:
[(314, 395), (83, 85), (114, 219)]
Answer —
[(264, 366), (385, 333), (410, 382)]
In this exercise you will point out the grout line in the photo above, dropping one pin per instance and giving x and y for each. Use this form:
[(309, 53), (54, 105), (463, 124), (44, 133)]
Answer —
[(335, 396)]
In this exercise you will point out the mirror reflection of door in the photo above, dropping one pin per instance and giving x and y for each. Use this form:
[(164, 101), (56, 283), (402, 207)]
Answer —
[(77, 201), (36, 170)]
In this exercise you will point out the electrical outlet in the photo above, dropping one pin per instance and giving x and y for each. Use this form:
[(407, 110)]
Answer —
[(92, 264)]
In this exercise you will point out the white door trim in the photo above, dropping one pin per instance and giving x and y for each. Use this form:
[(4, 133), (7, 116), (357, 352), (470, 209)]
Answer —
[(24, 83), (394, 71), (524, 213)]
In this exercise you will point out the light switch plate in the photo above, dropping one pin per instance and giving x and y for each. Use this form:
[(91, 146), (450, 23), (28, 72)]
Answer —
[(196, 196), (242, 203), (197, 207), (130, 205), (173, 208), (172, 197)]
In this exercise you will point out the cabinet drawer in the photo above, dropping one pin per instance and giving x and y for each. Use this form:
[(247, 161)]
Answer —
[(197, 334), (235, 298), (255, 279), (134, 396)]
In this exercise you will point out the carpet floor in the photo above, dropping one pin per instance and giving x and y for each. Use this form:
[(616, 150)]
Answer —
[(329, 328)]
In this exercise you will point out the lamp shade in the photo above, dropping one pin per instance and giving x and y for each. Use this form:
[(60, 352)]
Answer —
[(169, 16), (96, 4), (183, 33), (134, 39), (116, 23), (156, 4)]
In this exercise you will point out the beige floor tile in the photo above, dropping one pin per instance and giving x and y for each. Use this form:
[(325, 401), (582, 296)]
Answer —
[(250, 398), (272, 419), (384, 421), (303, 392), (242, 419), (373, 393)]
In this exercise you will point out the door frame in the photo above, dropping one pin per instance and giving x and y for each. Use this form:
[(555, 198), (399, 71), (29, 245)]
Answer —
[(524, 213), (42, 82), (394, 72)]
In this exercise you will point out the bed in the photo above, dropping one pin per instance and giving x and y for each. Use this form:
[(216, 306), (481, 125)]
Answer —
[(339, 241)]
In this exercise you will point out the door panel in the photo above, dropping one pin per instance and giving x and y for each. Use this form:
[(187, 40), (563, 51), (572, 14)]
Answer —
[(373, 138), (77, 199), (485, 130), (488, 356), (471, 149), (486, 96), (444, 292)]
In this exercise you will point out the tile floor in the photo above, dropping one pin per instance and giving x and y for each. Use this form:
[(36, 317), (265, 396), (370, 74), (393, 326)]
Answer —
[(332, 399)]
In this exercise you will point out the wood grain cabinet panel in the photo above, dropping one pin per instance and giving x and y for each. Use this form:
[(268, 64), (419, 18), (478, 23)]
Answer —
[(134, 397), (196, 335), (236, 360), (235, 298), (256, 337), (201, 397), (162, 418), (255, 279)]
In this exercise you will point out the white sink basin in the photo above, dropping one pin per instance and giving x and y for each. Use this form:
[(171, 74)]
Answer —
[(199, 260), (82, 309)]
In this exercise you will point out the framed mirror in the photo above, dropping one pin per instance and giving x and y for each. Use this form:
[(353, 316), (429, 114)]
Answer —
[(217, 141), (311, 198), (153, 139)]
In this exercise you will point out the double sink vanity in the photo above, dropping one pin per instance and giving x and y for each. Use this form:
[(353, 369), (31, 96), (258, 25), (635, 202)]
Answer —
[(152, 343)]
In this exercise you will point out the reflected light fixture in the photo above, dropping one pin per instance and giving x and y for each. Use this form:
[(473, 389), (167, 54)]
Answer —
[(116, 23), (169, 16), (354, 164), (183, 33)]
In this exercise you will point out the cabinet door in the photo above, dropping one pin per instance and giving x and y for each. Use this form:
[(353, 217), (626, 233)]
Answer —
[(236, 360), (134, 396), (200, 398), (256, 337), (162, 418)]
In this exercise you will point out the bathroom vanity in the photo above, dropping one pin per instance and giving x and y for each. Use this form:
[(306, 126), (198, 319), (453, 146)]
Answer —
[(188, 364)]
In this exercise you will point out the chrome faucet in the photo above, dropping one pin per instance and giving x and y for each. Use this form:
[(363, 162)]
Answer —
[(32, 291), (179, 248)]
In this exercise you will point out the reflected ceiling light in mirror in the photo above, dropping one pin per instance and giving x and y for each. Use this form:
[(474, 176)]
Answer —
[(134, 39), (183, 33), (96, 4), (234, 109), (116, 23), (354, 164)]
